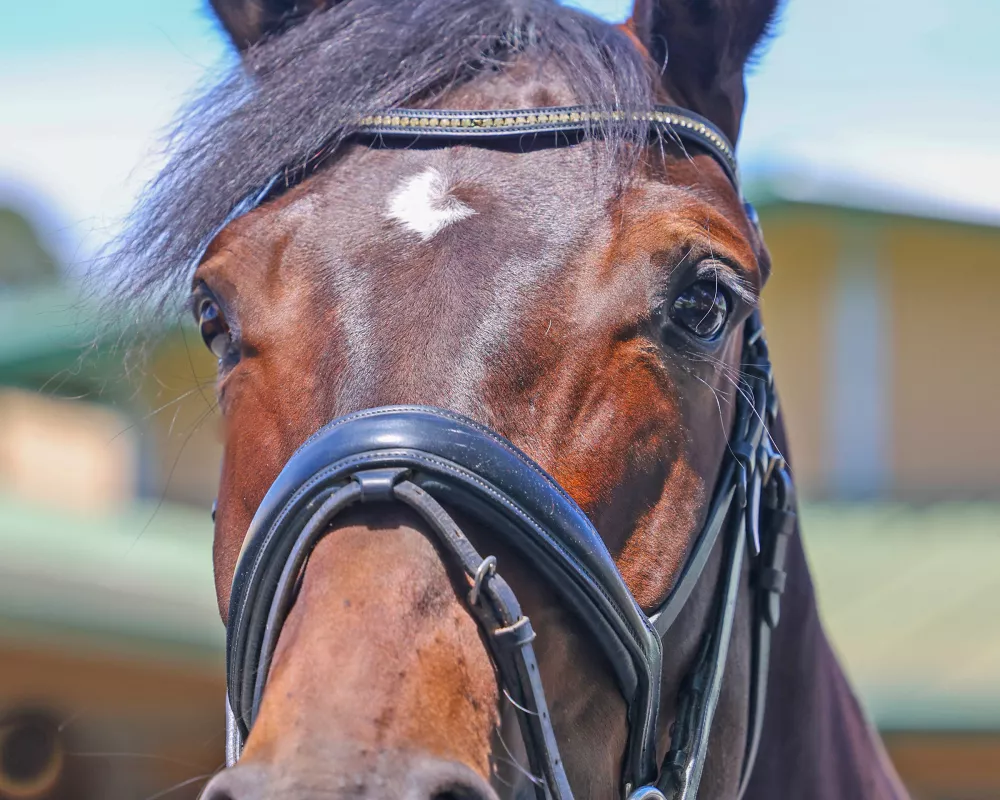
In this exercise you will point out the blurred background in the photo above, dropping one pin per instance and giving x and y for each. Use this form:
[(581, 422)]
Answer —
[(870, 149)]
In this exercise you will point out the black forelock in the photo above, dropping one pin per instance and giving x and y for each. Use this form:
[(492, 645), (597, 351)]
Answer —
[(303, 91)]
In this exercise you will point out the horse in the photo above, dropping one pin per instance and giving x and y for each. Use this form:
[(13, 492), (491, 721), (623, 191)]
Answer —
[(505, 508)]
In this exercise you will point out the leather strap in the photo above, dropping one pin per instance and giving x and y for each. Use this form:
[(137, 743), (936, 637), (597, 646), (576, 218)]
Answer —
[(507, 631), (680, 775), (509, 635), (670, 122), (753, 508), (768, 582), (507, 493)]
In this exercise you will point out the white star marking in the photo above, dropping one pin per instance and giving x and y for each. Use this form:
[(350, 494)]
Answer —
[(422, 204)]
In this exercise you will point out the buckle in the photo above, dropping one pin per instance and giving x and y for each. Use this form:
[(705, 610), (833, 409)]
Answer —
[(646, 793), (770, 461), (485, 570), (743, 452)]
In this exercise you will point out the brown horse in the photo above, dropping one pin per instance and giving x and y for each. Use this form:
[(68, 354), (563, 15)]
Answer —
[(586, 292)]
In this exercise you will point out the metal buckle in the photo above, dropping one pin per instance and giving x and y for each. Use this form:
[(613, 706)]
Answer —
[(750, 459), (768, 458), (646, 793), (487, 569), (744, 452)]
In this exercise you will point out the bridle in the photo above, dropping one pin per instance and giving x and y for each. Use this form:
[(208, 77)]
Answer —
[(437, 462)]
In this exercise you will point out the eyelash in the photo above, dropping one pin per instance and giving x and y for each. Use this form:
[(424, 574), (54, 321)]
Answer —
[(736, 286)]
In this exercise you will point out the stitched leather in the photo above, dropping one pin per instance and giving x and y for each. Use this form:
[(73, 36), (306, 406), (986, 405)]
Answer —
[(470, 467)]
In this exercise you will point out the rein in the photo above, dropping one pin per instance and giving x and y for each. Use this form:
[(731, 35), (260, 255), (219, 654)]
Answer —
[(433, 460)]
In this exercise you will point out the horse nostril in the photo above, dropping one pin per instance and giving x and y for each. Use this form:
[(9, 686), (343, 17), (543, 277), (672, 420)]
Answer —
[(446, 780), (238, 783), (461, 793)]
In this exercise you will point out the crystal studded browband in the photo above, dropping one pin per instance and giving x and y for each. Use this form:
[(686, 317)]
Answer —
[(681, 125)]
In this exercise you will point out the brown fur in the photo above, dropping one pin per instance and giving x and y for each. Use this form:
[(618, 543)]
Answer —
[(533, 316)]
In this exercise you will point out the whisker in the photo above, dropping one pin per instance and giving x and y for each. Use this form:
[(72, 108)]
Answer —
[(181, 785), (194, 373), (496, 776), (747, 394), (722, 421), (514, 763), (173, 421), (739, 382), (517, 705), (170, 475), (154, 412)]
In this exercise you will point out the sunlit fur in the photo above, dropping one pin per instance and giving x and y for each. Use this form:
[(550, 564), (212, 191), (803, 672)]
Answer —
[(538, 312)]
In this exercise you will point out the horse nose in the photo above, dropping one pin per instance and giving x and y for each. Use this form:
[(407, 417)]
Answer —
[(405, 778), (238, 783)]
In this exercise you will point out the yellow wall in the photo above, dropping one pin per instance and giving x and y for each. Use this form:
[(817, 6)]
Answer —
[(803, 247), (942, 285), (945, 281)]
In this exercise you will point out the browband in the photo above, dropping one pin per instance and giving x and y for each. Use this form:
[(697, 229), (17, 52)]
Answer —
[(671, 122)]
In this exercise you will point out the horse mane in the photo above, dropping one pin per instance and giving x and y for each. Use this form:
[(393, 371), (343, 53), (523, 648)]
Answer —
[(301, 93)]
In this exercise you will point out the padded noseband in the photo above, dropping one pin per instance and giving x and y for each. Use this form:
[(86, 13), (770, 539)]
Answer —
[(466, 467)]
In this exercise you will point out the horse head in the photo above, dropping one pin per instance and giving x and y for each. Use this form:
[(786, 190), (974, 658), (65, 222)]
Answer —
[(532, 330)]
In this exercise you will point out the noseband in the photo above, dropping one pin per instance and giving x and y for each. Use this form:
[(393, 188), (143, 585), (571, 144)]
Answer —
[(437, 462)]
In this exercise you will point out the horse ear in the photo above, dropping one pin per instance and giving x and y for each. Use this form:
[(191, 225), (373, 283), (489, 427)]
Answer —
[(249, 21), (702, 48)]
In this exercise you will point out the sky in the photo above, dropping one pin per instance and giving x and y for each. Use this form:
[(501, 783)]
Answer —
[(879, 102)]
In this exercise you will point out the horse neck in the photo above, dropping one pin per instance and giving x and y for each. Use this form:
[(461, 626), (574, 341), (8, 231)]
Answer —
[(816, 741)]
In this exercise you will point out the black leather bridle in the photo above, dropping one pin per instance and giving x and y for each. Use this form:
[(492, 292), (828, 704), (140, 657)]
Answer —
[(437, 462)]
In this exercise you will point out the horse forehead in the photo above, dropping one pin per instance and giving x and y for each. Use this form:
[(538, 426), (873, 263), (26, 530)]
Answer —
[(445, 213), (524, 188)]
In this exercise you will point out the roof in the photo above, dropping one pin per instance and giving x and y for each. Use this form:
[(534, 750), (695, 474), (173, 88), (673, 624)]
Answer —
[(909, 596), (812, 185), (139, 579), (46, 331), (54, 336)]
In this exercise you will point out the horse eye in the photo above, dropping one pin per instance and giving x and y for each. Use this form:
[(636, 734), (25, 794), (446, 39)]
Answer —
[(214, 330), (702, 308)]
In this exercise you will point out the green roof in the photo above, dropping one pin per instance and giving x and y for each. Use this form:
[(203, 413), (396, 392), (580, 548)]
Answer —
[(56, 336), (911, 599), (47, 339), (141, 579)]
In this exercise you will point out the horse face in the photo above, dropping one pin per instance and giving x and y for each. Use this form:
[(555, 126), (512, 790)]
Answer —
[(594, 320)]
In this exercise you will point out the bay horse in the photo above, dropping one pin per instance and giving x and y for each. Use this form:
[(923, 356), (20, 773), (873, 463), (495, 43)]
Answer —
[(504, 508)]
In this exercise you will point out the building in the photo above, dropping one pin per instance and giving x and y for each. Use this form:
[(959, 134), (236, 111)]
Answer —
[(882, 327)]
